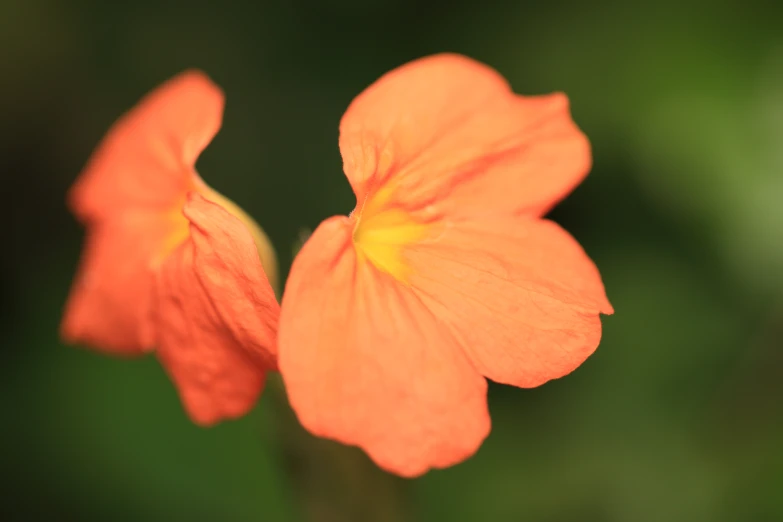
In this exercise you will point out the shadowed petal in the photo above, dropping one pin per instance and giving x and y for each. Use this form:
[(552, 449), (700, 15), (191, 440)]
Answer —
[(218, 316)]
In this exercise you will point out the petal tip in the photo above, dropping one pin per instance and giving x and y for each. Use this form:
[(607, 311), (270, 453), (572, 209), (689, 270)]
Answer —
[(211, 416), (461, 449), (197, 79)]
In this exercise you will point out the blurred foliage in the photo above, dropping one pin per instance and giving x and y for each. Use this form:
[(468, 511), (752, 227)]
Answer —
[(676, 417)]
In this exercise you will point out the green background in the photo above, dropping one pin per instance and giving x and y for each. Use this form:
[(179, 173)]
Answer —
[(677, 417)]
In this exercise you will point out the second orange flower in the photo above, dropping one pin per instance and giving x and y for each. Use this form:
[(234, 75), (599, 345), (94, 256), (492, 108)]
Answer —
[(169, 264)]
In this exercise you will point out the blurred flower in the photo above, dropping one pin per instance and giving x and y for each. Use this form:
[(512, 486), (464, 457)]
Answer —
[(444, 274), (170, 263)]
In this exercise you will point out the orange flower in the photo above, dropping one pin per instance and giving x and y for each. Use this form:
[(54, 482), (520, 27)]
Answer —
[(444, 274), (171, 263)]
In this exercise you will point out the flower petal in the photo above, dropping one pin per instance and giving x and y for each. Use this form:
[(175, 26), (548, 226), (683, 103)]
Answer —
[(365, 363), (449, 134), (229, 267), (521, 294), (218, 316), (110, 306), (147, 158)]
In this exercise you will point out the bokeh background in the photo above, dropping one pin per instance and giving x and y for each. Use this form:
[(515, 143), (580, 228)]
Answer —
[(677, 417)]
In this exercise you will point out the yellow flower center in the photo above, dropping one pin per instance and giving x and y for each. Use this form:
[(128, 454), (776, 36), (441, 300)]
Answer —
[(382, 232)]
